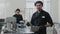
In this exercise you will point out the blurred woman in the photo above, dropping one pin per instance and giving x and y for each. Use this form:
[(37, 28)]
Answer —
[(18, 16)]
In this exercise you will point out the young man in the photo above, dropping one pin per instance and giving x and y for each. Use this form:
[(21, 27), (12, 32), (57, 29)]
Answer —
[(41, 18), (18, 16)]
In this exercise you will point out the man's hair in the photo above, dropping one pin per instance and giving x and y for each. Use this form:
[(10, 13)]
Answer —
[(17, 10), (38, 2)]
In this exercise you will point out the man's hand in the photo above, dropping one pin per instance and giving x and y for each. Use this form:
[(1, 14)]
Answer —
[(48, 25)]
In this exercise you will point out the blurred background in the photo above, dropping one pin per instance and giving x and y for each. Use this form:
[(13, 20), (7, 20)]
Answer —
[(8, 7)]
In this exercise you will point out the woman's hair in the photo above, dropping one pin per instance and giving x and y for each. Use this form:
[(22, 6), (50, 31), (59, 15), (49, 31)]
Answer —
[(17, 10)]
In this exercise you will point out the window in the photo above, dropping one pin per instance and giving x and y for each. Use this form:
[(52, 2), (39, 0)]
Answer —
[(30, 8)]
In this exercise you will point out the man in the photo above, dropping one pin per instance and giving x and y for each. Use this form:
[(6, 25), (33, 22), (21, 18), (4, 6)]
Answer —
[(41, 18), (18, 16)]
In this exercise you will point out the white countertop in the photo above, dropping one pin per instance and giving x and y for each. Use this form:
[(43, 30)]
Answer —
[(25, 30)]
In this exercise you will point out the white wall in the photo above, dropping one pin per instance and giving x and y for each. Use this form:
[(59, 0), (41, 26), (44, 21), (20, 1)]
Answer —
[(8, 7), (54, 10), (59, 11)]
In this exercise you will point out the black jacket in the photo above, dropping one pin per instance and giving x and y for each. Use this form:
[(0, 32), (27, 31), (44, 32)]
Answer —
[(18, 18), (41, 18)]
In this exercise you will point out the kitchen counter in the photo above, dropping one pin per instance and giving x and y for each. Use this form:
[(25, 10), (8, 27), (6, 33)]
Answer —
[(26, 30)]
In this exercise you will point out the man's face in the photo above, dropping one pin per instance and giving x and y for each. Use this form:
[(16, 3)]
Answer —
[(17, 12), (39, 6)]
